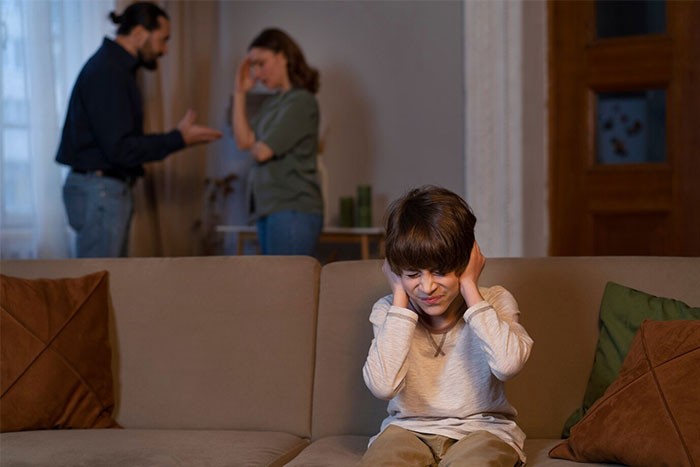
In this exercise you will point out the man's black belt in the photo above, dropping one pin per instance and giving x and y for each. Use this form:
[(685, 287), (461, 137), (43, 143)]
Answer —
[(107, 173)]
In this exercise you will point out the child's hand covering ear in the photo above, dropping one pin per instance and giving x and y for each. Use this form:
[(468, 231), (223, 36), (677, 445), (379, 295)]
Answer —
[(469, 279), (400, 296)]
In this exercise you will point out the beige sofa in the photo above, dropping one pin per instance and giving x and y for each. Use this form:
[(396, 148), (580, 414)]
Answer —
[(256, 361)]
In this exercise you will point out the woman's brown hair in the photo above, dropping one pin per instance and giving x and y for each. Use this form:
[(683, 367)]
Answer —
[(300, 73)]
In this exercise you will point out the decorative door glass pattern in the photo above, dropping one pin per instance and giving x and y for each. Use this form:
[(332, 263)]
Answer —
[(631, 127)]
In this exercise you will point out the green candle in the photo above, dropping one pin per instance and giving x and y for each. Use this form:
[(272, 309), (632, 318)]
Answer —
[(364, 206), (347, 211), (364, 194)]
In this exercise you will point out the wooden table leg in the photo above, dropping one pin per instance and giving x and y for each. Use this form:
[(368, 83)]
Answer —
[(364, 241), (239, 244)]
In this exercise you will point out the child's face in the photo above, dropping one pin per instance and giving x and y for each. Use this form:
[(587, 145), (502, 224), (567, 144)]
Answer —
[(433, 292)]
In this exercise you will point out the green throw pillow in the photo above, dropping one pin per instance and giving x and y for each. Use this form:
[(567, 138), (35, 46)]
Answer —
[(622, 311)]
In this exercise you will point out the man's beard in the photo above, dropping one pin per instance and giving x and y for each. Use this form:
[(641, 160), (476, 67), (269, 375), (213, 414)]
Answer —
[(147, 63)]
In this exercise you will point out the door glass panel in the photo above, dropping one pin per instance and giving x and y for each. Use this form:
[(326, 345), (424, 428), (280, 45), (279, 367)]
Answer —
[(631, 127), (615, 18)]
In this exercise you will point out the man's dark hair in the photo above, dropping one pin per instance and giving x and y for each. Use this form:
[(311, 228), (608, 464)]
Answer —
[(140, 13), (429, 228)]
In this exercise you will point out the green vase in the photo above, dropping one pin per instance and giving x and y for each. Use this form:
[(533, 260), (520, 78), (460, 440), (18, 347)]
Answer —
[(347, 211), (364, 206)]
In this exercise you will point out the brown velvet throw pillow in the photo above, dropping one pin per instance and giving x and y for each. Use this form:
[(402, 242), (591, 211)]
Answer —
[(55, 356), (650, 415)]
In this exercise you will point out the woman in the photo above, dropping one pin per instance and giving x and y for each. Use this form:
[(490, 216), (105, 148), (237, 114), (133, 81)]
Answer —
[(284, 196)]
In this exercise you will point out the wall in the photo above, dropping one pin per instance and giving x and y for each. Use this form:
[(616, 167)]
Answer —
[(391, 91)]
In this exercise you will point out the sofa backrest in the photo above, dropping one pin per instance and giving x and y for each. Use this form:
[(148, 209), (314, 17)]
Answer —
[(342, 404), (559, 301), (207, 343)]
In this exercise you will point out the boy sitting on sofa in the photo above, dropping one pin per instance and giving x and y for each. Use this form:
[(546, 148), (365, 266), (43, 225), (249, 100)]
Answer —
[(442, 346)]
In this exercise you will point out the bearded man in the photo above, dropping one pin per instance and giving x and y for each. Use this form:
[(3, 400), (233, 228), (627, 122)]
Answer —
[(103, 140)]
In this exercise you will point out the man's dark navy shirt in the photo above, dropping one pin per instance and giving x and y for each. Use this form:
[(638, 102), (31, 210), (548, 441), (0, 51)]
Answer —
[(104, 122)]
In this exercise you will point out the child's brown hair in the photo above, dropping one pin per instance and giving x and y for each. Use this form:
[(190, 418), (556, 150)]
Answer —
[(429, 228)]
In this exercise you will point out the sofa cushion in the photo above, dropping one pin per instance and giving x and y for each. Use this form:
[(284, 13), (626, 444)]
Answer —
[(207, 343), (650, 415), (346, 451), (622, 311), (143, 448), (342, 403), (55, 353), (537, 451), (333, 451), (559, 299)]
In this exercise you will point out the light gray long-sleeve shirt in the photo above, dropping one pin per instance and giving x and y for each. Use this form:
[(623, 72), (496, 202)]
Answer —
[(449, 384)]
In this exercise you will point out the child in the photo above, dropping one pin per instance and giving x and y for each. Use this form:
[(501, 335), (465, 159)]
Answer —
[(442, 346)]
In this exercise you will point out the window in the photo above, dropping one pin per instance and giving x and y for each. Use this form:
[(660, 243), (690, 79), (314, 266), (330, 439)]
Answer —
[(17, 199), (43, 44)]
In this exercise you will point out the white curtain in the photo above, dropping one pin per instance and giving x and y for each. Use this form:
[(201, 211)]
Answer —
[(44, 45)]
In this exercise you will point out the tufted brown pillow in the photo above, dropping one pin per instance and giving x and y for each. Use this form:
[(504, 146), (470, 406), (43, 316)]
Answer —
[(650, 415), (55, 356)]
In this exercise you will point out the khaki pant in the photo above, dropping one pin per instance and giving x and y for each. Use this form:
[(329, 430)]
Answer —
[(397, 446)]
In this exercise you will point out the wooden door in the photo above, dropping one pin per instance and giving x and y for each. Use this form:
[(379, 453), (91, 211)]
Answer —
[(648, 205)]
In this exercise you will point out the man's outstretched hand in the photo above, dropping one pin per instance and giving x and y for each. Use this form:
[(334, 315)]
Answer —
[(196, 134)]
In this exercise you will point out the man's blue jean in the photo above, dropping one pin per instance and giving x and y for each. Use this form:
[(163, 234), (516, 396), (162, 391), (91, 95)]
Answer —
[(289, 233), (99, 210)]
